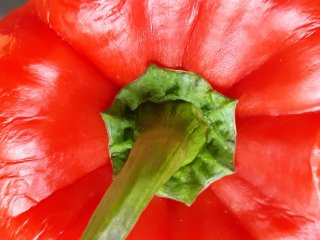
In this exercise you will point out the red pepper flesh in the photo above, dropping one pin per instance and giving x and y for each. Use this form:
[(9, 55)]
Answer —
[(54, 83)]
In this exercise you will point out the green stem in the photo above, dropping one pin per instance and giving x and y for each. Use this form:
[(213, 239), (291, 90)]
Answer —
[(171, 135)]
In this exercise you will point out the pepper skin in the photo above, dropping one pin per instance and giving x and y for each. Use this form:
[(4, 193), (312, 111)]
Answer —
[(61, 64)]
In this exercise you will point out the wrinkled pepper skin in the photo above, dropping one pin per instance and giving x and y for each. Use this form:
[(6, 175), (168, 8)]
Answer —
[(62, 62)]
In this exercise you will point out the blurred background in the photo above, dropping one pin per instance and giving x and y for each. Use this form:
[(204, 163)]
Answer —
[(7, 5)]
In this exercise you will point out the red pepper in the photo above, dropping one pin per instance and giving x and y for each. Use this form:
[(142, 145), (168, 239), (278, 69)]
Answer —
[(55, 82)]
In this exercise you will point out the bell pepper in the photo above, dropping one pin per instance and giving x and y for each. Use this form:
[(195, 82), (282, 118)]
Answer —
[(62, 64)]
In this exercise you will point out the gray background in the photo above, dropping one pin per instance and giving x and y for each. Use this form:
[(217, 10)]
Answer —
[(7, 5)]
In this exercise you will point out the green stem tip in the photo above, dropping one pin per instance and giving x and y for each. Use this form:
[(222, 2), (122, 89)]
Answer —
[(172, 133)]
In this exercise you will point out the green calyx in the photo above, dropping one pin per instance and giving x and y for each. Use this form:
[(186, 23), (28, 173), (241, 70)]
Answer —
[(170, 135), (215, 158)]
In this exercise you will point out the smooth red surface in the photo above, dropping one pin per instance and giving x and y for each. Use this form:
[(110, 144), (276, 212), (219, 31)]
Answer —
[(53, 84), (296, 69), (50, 126), (275, 194)]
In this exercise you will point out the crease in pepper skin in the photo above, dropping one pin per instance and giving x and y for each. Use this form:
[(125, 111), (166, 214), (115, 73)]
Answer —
[(216, 24)]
